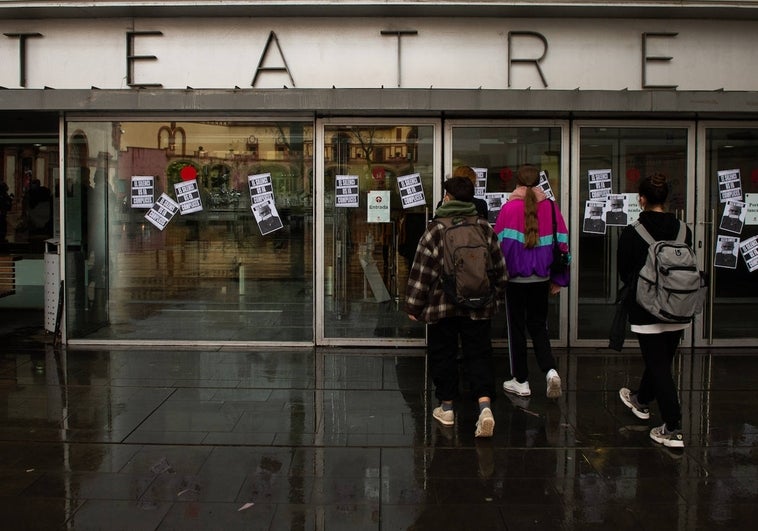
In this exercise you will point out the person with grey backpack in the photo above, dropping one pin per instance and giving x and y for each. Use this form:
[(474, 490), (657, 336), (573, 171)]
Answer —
[(657, 331)]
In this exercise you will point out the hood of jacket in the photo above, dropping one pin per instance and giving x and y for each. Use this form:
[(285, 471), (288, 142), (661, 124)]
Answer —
[(454, 207)]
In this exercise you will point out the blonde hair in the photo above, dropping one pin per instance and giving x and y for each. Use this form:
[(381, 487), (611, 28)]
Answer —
[(529, 176), (467, 172)]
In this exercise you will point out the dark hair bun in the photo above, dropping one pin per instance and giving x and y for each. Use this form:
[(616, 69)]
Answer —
[(658, 180)]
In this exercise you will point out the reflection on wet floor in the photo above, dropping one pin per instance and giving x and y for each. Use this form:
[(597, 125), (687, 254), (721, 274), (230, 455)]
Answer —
[(334, 439)]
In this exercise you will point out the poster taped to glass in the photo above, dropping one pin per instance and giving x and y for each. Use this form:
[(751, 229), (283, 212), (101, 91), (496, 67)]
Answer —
[(261, 188), (188, 197), (346, 191), (730, 185), (411, 190), (266, 216), (143, 190), (749, 250), (162, 211)]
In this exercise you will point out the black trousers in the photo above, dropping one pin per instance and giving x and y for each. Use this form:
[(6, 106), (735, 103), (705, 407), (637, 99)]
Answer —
[(658, 351), (527, 304), (476, 341)]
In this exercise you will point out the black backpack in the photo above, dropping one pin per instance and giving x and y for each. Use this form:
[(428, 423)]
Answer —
[(467, 276)]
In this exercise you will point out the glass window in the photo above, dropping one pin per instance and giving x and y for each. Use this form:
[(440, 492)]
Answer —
[(221, 272), (733, 288), (627, 154), (497, 152), (366, 257)]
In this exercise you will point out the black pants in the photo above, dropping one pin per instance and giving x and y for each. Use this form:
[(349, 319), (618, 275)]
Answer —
[(477, 356), (527, 311), (658, 351)]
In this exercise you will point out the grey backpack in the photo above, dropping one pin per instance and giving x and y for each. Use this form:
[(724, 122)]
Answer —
[(670, 286), (467, 276)]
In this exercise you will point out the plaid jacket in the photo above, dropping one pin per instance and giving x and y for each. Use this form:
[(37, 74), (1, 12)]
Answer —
[(424, 297)]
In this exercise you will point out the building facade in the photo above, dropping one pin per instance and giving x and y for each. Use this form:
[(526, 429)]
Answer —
[(234, 173)]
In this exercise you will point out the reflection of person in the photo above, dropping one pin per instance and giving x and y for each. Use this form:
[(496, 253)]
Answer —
[(726, 257), (426, 301), (6, 203), (525, 229), (658, 340)]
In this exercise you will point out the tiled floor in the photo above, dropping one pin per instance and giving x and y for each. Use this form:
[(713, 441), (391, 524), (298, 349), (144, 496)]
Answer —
[(304, 439)]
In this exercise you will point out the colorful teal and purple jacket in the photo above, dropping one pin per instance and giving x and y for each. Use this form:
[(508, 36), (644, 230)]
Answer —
[(531, 263)]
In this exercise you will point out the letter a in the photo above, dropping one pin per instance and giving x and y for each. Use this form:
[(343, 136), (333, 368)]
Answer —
[(261, 68)]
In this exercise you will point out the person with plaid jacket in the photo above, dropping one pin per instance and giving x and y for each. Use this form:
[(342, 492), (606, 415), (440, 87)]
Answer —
[(426, 301)]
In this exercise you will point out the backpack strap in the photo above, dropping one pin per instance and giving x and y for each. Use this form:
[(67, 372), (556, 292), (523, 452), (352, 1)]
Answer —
[(681, 237), (642, 231)]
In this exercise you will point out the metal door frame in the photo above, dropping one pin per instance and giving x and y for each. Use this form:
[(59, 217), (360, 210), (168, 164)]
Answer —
[(563, 200), (319, 265), (577, 210), (704, 224)]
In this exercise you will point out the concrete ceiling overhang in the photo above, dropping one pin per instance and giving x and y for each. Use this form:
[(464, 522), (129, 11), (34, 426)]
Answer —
[(555, 104), (712, 9)]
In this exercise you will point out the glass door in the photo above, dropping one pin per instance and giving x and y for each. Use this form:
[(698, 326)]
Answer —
[(496, 150), (608, 164), (728, 231), (380, 180)]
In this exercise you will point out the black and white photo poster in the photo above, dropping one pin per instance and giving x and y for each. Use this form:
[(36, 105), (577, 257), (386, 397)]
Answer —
[(599, 184), (143, 191), (730, 185), (616, 210), (266, 216), (188, 197), (480, 188), (495, 201), (749, 250), (544, 185), (261, 188), (726, 251), (733, 218), (346, 191), (594, 223), (411, 190), (162, 211)]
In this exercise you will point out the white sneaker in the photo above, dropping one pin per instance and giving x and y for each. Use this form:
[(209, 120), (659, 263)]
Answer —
[(516, 388), (669, 438), (446, 418), (485, 426), (553, 384)]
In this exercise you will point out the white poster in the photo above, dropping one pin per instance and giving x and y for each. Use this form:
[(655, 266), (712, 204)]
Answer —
[(480, 188), (751, 202), (495, 202), (188, 197), (346, 191), (726, 251), (594, 223), (633, 207), (544, 184), (616, 210), (143, 190), (733, 217), (162, 211), (261, 188), (749, 250), (266, 216), (411, 190), (378, 210), (730, 185), (599, 184)]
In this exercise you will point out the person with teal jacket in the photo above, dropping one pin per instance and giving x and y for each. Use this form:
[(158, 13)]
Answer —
[(525, 230)]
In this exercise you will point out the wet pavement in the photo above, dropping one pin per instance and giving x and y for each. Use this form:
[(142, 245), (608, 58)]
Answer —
[(340, 439)]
